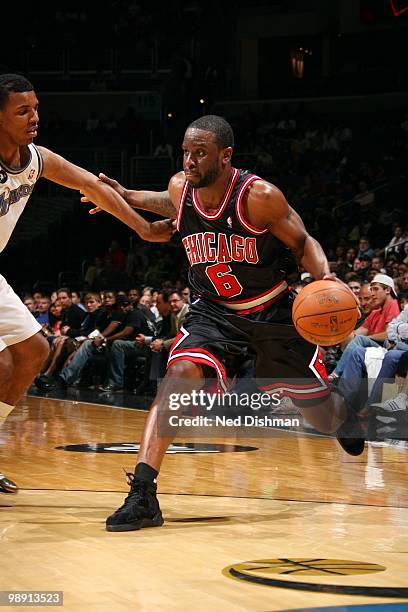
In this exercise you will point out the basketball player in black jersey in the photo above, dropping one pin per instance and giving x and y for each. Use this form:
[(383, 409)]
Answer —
[(235, 228)]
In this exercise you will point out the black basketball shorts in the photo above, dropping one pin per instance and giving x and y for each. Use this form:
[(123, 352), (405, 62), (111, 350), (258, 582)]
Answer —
[(282, 360)]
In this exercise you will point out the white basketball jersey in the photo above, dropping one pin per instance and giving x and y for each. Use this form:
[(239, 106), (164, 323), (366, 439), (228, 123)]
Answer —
[(15, 189)]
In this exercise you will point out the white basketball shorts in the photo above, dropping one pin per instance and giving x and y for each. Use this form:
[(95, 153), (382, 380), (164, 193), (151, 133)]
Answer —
[(16, 321)]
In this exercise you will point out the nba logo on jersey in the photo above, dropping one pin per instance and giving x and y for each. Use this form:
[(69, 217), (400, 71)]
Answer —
[(32, 172), (229, 222), (3, 176)]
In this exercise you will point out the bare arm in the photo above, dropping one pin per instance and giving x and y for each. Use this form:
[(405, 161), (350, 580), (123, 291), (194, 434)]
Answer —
[(163, 203), (266, 207), (63, 172)]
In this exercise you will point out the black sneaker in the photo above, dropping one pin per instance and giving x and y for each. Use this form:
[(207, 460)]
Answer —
[(350, 434), (140, 509), (7, 485)]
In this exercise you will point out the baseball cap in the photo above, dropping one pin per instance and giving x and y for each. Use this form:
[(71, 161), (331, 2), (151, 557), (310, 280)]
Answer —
[(384, 279)]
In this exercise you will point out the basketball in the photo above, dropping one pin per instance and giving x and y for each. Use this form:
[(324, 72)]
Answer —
[(324, 312)]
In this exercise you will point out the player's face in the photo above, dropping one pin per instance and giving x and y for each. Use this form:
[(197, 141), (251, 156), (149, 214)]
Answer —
[(203, 160), (19, 118)]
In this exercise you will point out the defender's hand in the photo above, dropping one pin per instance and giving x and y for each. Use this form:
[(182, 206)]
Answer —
[(112, 183)]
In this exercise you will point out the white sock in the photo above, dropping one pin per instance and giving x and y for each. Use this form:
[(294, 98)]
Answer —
[(5, 410)]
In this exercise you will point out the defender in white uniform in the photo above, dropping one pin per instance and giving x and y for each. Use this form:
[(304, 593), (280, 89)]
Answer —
[(23, 349)]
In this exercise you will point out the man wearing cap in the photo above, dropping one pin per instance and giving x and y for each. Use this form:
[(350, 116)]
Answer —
[(373, 331)]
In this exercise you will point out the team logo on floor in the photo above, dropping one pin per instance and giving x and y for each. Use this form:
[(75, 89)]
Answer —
[(292, 574), (174, 449)]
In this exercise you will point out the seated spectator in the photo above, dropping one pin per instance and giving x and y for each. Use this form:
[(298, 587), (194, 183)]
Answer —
[(110, 320), (186, 294), (134, 296), (28, 301), (377, 264), (72, 340), (364, 248), (41, 314), (396, 244), (356, 368), (123, 349), (391, 416), (54, 319), (365, 266), (373, 331), (354, 284), (76, 299), (72, 315)]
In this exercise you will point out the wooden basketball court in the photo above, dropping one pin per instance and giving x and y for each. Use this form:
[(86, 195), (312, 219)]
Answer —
[(294, 509)]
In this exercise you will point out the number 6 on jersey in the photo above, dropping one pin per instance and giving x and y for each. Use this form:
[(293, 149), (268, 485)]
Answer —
[(225, 283)]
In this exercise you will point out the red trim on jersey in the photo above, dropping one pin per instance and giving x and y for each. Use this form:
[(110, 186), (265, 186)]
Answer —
[(261, 306), (224, 201), (254, 297), (246, 224), (197, 355), (295, 392), (181, 205)]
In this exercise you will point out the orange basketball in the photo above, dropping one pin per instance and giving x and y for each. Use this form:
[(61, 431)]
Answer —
[(324, 312)]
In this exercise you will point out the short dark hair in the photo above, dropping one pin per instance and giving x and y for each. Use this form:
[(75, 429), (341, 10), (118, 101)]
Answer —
[(66, 290), (10, 83), (165, 293), (224, 136)]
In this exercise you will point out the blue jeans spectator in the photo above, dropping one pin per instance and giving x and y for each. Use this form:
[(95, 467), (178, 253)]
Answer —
[(72, 371), (355, 371), (120, 350), (357, 342)]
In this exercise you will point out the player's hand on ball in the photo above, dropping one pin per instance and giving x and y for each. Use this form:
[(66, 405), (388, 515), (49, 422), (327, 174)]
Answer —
[(333, 277)]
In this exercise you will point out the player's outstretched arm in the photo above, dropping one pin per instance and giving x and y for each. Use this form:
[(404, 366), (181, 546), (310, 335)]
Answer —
[(63, 172), (163, 203), (269, 209)]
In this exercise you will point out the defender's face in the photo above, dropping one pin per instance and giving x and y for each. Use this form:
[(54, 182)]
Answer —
[(203, 160), (19, 118)]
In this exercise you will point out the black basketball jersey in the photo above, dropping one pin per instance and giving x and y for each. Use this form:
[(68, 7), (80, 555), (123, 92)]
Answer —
[(231, 262)]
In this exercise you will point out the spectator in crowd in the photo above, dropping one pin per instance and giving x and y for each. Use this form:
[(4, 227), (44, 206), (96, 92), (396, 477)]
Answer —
[(72, 340), (134, 296), (76, 299), (186, 294), (354, 284), (28, 301), (72, 315), (374, 329), (398, 240), (42, 312), (356, 367), (125, 349), (391, 416), (364, 248)]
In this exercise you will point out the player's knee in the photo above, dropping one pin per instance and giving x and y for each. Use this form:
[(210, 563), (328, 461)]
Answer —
[(38, 353), (6, 366)]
